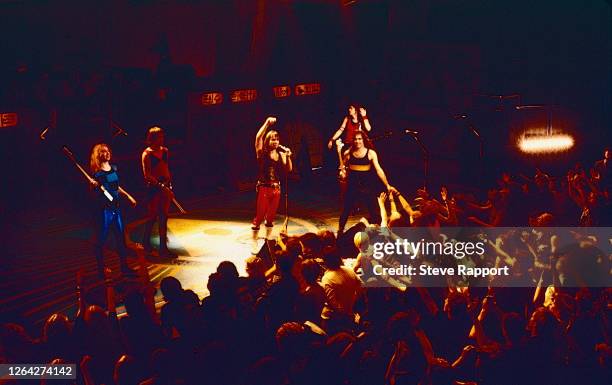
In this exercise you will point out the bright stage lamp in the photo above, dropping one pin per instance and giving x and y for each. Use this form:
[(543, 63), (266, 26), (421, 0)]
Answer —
[(545, 143)]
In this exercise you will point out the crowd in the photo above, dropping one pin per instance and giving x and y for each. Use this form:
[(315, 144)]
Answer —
[(302, 316)]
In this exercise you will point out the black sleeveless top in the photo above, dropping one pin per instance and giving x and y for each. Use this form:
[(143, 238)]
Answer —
[(360, 170), (159, 166), (270, 170), (362, 164)]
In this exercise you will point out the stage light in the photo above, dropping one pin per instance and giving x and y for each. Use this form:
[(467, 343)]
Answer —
[(308, 89), (282, 91), (544, 142), (9, 119), (242, 96), (211, 98)]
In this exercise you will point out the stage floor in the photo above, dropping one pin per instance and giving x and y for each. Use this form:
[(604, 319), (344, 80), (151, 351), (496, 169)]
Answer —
[(46, 249)]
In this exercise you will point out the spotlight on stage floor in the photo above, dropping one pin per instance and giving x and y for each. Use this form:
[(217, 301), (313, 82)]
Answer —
[(201, 244)]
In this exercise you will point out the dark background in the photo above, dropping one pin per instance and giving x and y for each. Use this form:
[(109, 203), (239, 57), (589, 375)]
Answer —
[(413, 64)]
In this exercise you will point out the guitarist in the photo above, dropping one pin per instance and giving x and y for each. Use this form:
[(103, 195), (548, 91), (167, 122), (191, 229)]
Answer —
[(158, 179), (109, 214), (351, 124)]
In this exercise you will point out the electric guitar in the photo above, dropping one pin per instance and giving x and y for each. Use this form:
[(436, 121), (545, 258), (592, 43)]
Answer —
[(166, 189), (341, 168)]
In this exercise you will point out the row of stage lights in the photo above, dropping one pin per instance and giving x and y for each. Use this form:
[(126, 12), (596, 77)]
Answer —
[(532, 141), (251, 94)]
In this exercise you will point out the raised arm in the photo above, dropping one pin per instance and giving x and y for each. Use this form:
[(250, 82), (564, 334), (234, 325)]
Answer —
[(261, 133), (413, 214), (379, 171), (382, 198), (405, 205), (338, 132), (366, 122)]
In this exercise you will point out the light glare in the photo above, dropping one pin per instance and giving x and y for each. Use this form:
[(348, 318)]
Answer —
[(542, 144)]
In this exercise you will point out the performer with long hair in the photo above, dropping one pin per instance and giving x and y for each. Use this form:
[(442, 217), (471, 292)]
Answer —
[(108, 214), (159, 190), (274, 161), (352, 123), (360, 162)]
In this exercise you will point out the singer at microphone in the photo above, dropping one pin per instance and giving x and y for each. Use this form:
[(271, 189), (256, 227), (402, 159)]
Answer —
[(274, 162)]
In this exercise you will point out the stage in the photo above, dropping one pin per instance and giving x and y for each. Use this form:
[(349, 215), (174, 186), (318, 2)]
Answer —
[(46, 249)]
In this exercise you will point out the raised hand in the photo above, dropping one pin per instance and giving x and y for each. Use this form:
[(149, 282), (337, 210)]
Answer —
[(382, 197), (362, 112), (443, 193)]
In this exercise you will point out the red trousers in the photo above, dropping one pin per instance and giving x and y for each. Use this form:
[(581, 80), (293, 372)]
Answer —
[(267, 204)]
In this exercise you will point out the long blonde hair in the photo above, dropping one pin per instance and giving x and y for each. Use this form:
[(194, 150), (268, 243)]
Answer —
[(94, 159)]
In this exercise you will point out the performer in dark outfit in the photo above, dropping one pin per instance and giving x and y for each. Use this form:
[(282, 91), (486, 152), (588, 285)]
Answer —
[(358, 162), (158, 179), (108, 213), (274, 161)]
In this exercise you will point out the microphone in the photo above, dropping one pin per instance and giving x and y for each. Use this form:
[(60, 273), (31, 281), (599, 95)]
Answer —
[(282, 148), (118, 130), (44, 133), (411, 132)]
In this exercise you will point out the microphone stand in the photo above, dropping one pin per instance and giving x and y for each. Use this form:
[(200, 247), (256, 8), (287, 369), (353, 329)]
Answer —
[(286, 224), (480, 148), (425, 154), (470, 126)]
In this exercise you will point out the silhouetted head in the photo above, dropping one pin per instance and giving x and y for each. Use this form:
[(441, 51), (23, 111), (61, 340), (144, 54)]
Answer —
[(331, 258), (311, 271), (57, 329), (171, 288)]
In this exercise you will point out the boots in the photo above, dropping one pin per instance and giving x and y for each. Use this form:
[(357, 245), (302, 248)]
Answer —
[(268, 232), (254, 237)]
